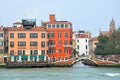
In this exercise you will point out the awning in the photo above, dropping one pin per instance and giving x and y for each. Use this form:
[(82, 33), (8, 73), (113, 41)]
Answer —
[(24, 57), (35, 57), (41, 57), (16, 57)]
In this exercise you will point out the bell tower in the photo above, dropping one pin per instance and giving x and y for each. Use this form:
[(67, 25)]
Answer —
[(112, 26)]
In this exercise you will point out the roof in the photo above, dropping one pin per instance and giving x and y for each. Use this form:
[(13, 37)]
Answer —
[(105, 33), (82, 36), (94, 39), (57, 22), (8, 28), (37, 28), (17, 23)]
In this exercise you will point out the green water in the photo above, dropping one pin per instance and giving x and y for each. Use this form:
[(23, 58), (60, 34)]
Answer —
[(77, 72)]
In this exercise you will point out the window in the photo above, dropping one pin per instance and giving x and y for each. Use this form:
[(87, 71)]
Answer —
[(44, 25), (11, 35), (78, 41), (49, 25), (58, 26), (21, 35), (51, 35), (53, 25), (1, 43), (86, 47), (77, 46), (33, 43), (59, 42), (11, 44), (1, 34), (43, 52), (66, 35), (15, 26), (51, 42), (59, 50), (65, 50), (51, 50), (59, 58), (35, 52), (86, 52), (66, 58), (31, 52), (43, 44), (66, 25), (23, 52), (65, 42), (22, 43), (59, 35), (86, 40), (62, 25), (33, 35), (43, 35), (11, 52), (19, 52)]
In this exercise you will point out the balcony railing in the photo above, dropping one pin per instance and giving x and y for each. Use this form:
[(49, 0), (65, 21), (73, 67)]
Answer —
[(67, 45), (51, 45)]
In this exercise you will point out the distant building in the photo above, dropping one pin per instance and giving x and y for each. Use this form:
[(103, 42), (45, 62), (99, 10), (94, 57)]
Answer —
[(28, 43), (6, 37), (77, 33), (82, 42), (1, 40), (59, 38), (93, 43), (111, 29), (17, 24)]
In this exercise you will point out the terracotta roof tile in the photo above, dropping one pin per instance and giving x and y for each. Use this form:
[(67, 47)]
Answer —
[(37, 28), (94, 39), (17, 23), (82, 36), (57, 22)]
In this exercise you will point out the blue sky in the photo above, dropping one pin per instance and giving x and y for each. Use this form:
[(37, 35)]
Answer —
[(88, 15)]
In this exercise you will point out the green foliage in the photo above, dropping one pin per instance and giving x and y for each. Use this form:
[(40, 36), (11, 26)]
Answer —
[(101, 48), (109, 45)]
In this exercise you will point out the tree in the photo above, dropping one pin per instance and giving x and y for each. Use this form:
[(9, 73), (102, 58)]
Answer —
[(109, 45), (102, 47)]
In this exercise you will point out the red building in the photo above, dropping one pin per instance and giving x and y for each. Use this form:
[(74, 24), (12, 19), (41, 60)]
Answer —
[(59, 38)]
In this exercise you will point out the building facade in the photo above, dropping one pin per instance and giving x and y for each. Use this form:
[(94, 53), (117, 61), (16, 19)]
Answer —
[(82, 42), (59, 38), (2, 40), (28, 43), (93, 43)]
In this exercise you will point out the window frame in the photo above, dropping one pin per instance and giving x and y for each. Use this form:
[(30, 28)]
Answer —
[(11, 35), (23, 35)]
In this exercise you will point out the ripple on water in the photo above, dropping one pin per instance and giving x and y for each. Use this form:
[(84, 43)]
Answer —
[(113, 74)]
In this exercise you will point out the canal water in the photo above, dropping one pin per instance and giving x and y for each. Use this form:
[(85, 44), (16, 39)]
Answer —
[(77, 72)]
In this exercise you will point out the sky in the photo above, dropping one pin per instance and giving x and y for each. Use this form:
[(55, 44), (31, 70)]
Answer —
[(87, 15)]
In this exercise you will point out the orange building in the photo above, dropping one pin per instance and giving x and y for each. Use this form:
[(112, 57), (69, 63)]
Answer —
[(28, 43), (59, 38)]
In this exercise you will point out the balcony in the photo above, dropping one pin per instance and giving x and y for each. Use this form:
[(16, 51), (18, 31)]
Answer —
[(67, 45), (51, 45)]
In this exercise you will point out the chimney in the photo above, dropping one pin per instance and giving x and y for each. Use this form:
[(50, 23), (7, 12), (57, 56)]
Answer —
[(52, 17)]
